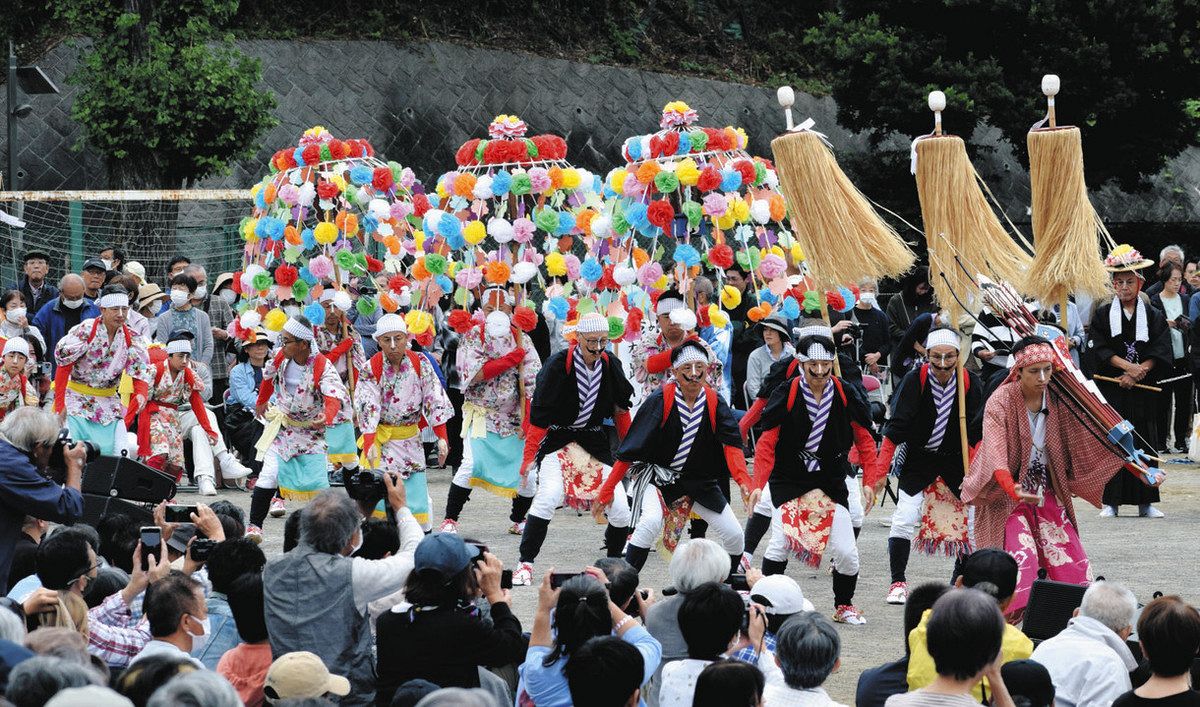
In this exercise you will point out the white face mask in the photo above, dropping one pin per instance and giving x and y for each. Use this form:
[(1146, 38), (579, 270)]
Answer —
[(868, 298), (229, 296), (200, 640), (107, 263), (15, 315), (179, 298), (72, 303), (201, 291)]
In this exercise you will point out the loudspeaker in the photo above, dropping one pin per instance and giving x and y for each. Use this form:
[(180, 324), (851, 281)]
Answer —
[(1050, 607), (96, 507), (126, 478)]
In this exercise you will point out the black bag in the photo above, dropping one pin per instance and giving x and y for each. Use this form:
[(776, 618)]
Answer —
[(242, 430), (1051, 605)]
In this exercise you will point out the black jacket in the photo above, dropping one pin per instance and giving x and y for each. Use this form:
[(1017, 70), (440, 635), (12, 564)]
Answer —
[(556, 404), (48, 293), (913, 416)]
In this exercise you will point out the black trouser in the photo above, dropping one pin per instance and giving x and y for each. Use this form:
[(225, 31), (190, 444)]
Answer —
[(1181, 393), (454, 429)]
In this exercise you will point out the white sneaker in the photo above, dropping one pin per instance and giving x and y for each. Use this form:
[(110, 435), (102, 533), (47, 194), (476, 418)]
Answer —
[(848, 614), (1108, 512), (898, 594), (205, 486), (523, 576), (1152, 512), (448, 526), (278, 509), (254, 534), (231, 468)]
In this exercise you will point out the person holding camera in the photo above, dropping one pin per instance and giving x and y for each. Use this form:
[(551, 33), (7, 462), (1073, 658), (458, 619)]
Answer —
[(27, 436), (91, 359), (15, 389), (396, 391)]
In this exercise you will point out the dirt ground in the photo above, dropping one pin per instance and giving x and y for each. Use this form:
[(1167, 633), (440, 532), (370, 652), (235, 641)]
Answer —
[(1146, 555)]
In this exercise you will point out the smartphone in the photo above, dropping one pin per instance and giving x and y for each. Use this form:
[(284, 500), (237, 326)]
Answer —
[(506, 579), (201, 548), (557, 579), (151, 537), (179, 514), (738, 583)]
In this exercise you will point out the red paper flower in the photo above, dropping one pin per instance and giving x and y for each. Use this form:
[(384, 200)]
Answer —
[(286, 275), (493, 152), (702, 318), (709, 179), (466, 154), (420, 204), (721, 256), (337, 149), (237, 282), (311, 154), (278, 161), (515, 151), (747, 170), (374, 264), (606, 281), (524, 318), (396, 283), (835, 300), (460, 321), (660, 213), (425, 338), (670, 143), (382, 180), (633, 322), (326, 190), (550, 147)]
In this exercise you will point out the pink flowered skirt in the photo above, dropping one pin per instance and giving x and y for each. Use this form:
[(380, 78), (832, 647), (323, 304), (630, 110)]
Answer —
[(1043, 537)]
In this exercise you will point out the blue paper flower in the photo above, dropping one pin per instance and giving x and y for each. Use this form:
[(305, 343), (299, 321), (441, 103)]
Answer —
[(790, 308), (260, 199), (444, 283), (501, 183), (298, 155), (591, 270), (765, 295), (307, 276), (847, 295), (633, 146), (315, 314), (635, 214), (566, 222), (449, 226), (310, 241), (685, 144), (731, 180), (687, 255), (370, 224), (361, 175), (559, 307)]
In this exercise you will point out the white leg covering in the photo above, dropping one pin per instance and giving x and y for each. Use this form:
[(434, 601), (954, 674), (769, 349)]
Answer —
[(202, 453), (650, 523), (268, 478), (906, 516), (550, 488), (725, 526), (764, 506), (462, 477), (619, 515), (855, 501), (777, 550), (842, 548)]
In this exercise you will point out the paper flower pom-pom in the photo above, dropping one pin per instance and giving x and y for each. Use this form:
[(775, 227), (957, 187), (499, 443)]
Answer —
[(684, 318), (523, 272), (500, 230), (616, 328), (573, 266), (524, 318), (760, 211), (666, 182), (275, 320), (325, 233), (286, 275), (250, 319), (720, 256), (556, 308), (547, 220), (315, 314), (709, 179), (715, 204), (300, 290), (648, 274), (624, 275), (435, 263), (731, 297), (772, 267), (556, 264), (836, 301), (749, 259), (468, 278), (474, 233), (523, 230), (460, 320), (344, 259), (262, 281), (591, 270), (686, 254), (418, 321), (361, 175), (718, 318), (812, 301), (790, 308), (660, 213), (321, 267), (496, 272), (365, 306), (848, 299)]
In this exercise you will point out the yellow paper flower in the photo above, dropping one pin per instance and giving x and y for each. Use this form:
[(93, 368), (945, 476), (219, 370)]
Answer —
[(616, 180), (725, 221), (797, 253), (731, 297), (248, 230), (275, 320), (418, 321), (718, 318), (687, 172), (571, 178), (740, 210), (419, 239), (340, 182), (660, 283), (474, 232), (325, 233), (556, 264)]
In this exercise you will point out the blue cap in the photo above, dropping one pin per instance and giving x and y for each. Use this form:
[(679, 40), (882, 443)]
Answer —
[(444, 552)]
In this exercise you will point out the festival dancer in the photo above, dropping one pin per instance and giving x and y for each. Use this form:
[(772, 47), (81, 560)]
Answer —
[(924, 424), (338, 342), (301, 394), (650, 355), (1131, 343), (1036, 454), (576, 390), (160, 437), (15, 389), (395, 392), (495, 361), (683, 443), (91, 358), (811, 425)]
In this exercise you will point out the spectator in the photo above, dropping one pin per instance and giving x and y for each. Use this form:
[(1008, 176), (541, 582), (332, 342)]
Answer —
[(16, 318), (136, 269), (177, 265), (33, 285), (412, 692), (582, 610), (245, 665), (710, 618), (1191, 274), (876, 685), (32, 531), (63, 313), (435, 634), (94, 274), (914, 299), (150, 299), (1170, 300), (729, 683), (379, 540), (1028, 683), (317, 596), (1089, 661), (178, 618), (780, 598), (807, 652), (12, 622), (242, 428), (184, 316), (89, 696), (12, 654), (228, 561), (141, 680), (1169, 633), (64, 643), (223, 288), (964, 635), (874, 340), (777, 342), (199, 689), (220, 314), (605, 672), (994, 572), (1171, 255), (36, 680), (26, 437), (744, 340), (622, 585), (301, 674), (694, 563), (291, 531), (113, 259)]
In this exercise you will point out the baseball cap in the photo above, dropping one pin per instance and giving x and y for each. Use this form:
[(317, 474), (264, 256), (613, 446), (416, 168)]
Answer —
[(94, 263), (302, 674), (136, 269), (35, 255), (444, 552), (780, 595)]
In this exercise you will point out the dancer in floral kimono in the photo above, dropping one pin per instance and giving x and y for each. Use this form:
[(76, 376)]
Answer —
[(15, 389), (924, 423), (810, 426), (1035, 455), (160, 435), (650, 355), (495, 362), (576, 390), (301, 394), (683, 442), (342, 346), (91, 358), (397, 391)]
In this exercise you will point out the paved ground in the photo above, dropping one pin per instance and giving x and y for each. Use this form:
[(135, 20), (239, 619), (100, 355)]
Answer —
[(1147, 555)]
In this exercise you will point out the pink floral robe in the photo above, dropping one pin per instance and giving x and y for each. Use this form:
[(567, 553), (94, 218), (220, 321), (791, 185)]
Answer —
[(498, 397), (99, 364), (306, 403), (402, 398), (328, 340), (166, 437), (651, 342), (11, 396)]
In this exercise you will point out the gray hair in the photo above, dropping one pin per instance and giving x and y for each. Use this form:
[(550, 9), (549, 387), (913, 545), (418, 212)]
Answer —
[(69, 277), (697, 562), (1171, 249), (27, 426), (196, 271), (1111, 604), (12, 628), (329, 522), (807, 647), (459, 697), (35, 681), (868, 281), (202, 688), (703, 286)]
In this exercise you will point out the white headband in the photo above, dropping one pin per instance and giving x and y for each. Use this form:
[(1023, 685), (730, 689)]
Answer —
[(390, 324), (340, 299), (298, 330), (179, 346), (817, 352), (691, 354), (487, 295), (116, 299), (16, 345), (942, 337), (667, 305), (813, 330), (591, 323)]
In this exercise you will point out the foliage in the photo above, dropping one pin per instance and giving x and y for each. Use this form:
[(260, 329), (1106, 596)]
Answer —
[(164, 97), (1128, 70)]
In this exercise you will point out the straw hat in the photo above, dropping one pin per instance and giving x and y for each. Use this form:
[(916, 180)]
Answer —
[(1124, 258)]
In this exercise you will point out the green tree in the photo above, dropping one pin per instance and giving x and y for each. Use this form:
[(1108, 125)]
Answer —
[(1128, 72), (164, 96)]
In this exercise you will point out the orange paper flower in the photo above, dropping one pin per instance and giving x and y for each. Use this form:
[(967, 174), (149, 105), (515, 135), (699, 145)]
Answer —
[(496, 272), (464, 185), (647, 171)]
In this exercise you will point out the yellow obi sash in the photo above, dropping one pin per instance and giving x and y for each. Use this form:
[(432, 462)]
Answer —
[(388, 433), (276, 420), (85, 389), (474, 421)]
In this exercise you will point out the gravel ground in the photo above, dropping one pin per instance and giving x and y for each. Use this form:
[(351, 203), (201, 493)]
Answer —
[(1147, 555)]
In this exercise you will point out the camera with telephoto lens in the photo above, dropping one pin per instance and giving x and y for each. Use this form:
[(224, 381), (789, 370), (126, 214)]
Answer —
[(56, 468), (365, 485), (855, 330)]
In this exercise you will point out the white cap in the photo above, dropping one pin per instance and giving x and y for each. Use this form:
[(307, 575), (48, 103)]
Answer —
[(179, 346), (136, 269), (591, 323), (390, 324), (783, 594), (943, 337), (16, 345)]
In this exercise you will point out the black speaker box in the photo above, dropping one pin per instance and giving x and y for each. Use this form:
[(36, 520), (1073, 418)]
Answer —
[(128, 479), (1050, 607), (96, 507)]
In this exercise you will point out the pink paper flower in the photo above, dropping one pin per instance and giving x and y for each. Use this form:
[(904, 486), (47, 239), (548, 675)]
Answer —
[(523, 230), (715, 205)]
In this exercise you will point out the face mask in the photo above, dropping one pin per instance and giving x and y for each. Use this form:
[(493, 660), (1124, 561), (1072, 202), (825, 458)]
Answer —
[(179, 298), (868, 298), (201, 291), (229, 296), (356, 546), (72, 303), (200, 640), (15, 315), (107, 263)]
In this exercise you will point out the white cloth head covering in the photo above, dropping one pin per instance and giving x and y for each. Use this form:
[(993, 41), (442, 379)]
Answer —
[(489, 293), (666, 305), (136, 269), (114, 299), (298, 330), (179, 346), (591, 323), (816, 351), (813, 330), (943, 337), (690, 353), (16, 345), (390, 324)]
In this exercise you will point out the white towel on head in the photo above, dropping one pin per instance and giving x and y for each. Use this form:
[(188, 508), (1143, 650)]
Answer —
[(1141, 324)]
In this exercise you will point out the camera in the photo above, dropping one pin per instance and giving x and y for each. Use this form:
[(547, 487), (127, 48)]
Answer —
[(365, 485), (855, 330), (57, 466)]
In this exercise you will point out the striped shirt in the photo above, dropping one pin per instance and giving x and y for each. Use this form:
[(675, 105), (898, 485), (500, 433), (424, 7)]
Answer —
[(943, 400), (818, 412), (689, 418), (588, 380)]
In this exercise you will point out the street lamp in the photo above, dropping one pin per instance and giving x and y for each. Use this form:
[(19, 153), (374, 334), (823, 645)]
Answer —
[(33, 81)]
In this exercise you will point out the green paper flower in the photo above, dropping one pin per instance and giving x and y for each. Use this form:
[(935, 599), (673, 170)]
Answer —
[(479, 150), (263, 281), (699, 140), (344, 259), (616, 328), (326, 155), (546, 219), (521, 184), (585, 306), (435, 263), (365, 305), (693, 212), (666, 182), (300, 290)]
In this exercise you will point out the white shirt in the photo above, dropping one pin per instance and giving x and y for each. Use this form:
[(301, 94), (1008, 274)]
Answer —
[(157, 647), (1088, 664), (679, 682), (375, 579), (778, 694)]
